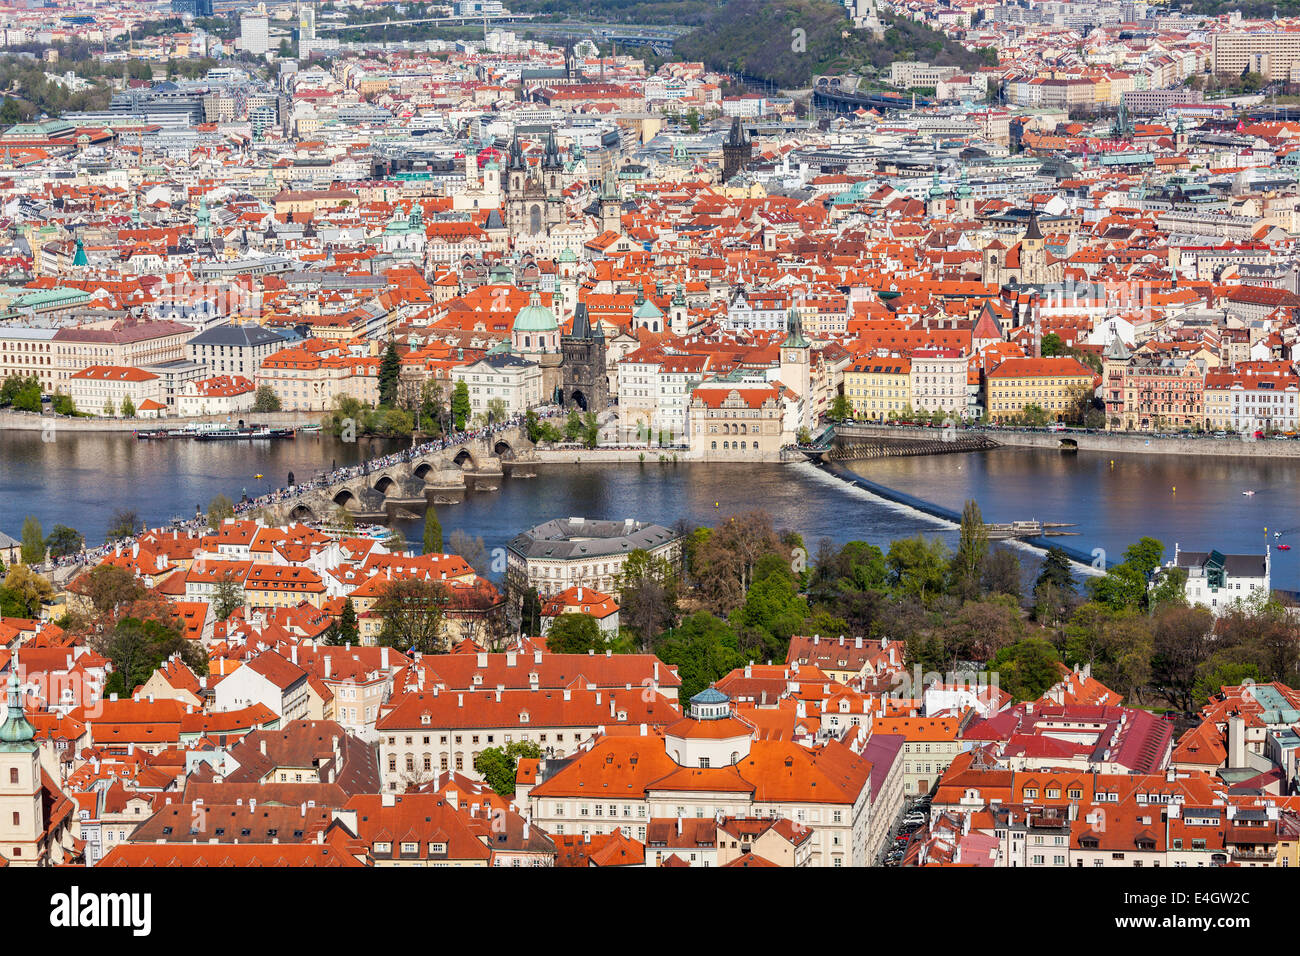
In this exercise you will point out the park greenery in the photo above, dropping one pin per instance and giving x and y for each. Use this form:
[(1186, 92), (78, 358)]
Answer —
[(788, 42), (745, 588)]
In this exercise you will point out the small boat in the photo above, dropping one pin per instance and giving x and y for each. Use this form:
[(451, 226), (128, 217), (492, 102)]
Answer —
[(1248, 493), (1284, 547)]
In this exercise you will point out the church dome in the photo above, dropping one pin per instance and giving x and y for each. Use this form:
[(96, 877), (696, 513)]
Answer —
[(535, 317), (568, 255), (647, 310)]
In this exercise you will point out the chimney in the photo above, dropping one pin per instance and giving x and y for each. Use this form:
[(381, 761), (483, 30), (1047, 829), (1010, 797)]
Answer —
[(262, 744), (579, 594), (327, 665), (460, 700), (1236, 742), (293, 653), (383, 658), (679, 826)]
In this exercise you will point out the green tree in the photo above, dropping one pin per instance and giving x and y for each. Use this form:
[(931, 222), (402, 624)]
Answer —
[(1056, 570), (841, 409), (972, 551), (460, 406), (390, 371), (136, 647), (432, 531), (1216, 676), (917, 567), (128, 407), (265, 399), (573, 429), (574, 634), (23, 592), (703, 649), (33, 541), (497, 766), (1052, 345), (227, 598), (590, 430), (63, 404), (219, 509), (63, 541), (498, 409), (1034, 416), (693, 119), (344, 630), (1027, 668)]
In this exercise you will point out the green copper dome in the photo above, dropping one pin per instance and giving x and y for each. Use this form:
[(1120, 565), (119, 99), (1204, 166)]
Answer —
[(16, 734), (568, 255), (535, 317), (647, 310)]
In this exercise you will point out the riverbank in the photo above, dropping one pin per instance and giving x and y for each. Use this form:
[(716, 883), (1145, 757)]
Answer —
[(1107, 442), (577, 456), (11, 420)]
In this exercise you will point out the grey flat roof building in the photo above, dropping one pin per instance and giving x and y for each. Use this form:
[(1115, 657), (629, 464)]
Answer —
[(564, 539)]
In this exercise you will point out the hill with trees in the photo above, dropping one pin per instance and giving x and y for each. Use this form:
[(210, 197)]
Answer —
[(759, 39)]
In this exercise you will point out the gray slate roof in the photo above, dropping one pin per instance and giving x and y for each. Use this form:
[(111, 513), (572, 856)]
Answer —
[(574, 538)]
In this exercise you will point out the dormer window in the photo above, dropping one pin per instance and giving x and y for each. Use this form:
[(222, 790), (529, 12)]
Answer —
[(424, 719), (523, 716)]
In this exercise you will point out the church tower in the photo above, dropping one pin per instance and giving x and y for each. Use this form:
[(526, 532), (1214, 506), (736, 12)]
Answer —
[(679, 318), (965, 199), (937, 202), (1033, 253), (736, 150), (796, 366), (22, 818), (611, 204), (568, 269)]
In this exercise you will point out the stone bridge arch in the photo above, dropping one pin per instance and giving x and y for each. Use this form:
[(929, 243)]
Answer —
[(302, 512), (385, 482), (344, 498)]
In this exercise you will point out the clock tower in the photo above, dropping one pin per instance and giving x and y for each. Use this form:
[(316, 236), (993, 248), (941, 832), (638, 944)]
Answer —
[(796, 368)]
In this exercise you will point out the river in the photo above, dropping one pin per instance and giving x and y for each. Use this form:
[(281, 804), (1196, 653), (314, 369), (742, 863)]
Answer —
[(81, 479)]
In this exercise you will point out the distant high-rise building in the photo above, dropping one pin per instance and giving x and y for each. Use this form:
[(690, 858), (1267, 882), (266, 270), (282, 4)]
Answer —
[(193, 8), (255, 33)]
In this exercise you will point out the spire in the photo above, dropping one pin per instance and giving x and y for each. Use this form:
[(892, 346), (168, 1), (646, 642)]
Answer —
[(794, 328), (1033, 231)]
